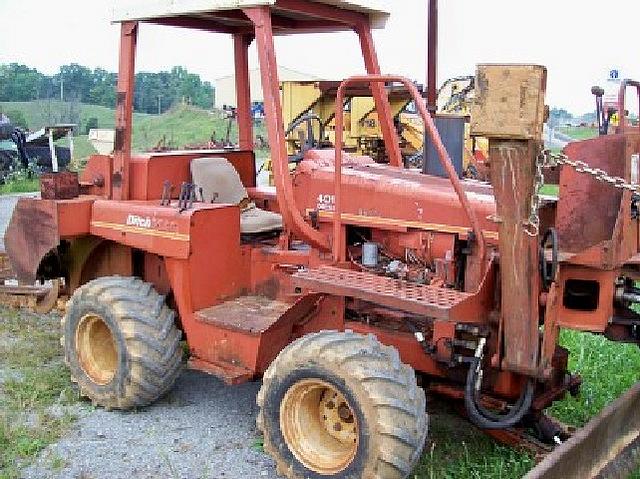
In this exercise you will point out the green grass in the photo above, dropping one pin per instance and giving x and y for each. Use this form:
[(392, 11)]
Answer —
[(35, 380), (21, 185), (459, 450), (579, 132), (607, 369), (456, 449), (551, 190), (180, 126), (81, 146), (39, 113)]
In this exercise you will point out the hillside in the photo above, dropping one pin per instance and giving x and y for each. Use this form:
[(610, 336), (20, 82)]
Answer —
[(179, 126)]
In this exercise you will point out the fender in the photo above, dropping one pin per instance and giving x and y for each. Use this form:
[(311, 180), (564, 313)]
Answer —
[(37, 227)]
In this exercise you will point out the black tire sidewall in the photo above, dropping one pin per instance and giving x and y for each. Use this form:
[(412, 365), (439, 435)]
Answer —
[(274, 396), (91, 305)]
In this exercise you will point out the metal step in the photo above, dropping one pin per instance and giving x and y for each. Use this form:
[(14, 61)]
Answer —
[(439, 303), (246, 314)]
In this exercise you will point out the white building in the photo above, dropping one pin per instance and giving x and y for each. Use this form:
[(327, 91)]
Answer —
[(226, 86)]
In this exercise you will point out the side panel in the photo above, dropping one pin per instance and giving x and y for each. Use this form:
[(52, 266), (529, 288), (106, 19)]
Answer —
[(146, 226)]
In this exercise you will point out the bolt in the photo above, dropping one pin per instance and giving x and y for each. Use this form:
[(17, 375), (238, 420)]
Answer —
[(337, 427), (344, 412), (330, 405)]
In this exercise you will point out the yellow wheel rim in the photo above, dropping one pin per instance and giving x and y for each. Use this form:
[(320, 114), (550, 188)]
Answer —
[(96, 349), (319, 426)]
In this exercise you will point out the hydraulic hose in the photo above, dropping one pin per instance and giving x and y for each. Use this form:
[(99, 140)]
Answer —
[(481, 416)]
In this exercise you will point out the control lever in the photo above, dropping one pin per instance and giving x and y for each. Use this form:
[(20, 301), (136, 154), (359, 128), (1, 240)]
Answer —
[(192, 195), (188, 194), (167, 190), (185, 194)]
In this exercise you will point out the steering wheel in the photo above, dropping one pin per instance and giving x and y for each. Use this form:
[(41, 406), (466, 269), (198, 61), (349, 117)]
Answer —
[(548, 270), (310, 141)]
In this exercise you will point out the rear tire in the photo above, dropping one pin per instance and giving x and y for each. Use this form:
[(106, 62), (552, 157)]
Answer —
[(121, 342), (342, 405)]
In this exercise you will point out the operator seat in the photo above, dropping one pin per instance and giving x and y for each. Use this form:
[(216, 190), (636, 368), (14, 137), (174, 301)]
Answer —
[(221, 183)]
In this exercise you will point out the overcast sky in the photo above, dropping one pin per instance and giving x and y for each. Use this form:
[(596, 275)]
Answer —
[(578, 40)]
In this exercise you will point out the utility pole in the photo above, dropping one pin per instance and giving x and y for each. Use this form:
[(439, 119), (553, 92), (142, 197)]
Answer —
[(159, 104), (432, 57), (61, 88)]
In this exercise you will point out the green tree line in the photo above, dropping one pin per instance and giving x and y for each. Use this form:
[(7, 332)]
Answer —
[(153, 91)]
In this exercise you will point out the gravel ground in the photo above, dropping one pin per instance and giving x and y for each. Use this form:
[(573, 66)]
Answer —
[(201, 429)]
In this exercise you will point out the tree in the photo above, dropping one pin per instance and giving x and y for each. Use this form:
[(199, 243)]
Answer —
[(76, 82), (20, 83), (103, 89), (92, 123), (154, 92)]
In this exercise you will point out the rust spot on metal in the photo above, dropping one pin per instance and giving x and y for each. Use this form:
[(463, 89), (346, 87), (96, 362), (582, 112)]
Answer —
[(32, 233), (607, 447), (61, 185)]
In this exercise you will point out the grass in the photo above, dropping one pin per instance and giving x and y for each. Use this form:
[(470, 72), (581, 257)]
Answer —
[(180, 126), (459, 450), (579, 132), (34, 391), (39, 113), (177, 127), (20, 185), (607, 369)]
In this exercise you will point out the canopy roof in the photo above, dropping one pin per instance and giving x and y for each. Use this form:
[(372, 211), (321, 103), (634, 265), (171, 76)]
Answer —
[(288, 16)]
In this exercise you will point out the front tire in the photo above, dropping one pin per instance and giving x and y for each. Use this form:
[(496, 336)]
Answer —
[(342, 405), (121, 342)]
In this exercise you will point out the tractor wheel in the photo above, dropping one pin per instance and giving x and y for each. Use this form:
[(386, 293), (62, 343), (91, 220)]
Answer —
[(342, 405), (121, 342)]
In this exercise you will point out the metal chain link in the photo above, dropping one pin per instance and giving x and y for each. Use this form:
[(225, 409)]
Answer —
[(556, 159), (547, 159), (532, 225)]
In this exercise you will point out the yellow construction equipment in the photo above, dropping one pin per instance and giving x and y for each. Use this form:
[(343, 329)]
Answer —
[(308, 114), (309, 109)]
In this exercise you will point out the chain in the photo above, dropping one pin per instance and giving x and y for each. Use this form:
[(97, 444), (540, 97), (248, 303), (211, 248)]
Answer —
[(555, 159), (532, 225), (547, 159)]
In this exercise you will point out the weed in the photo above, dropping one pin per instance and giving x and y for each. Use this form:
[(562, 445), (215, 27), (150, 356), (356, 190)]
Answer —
[(20, 184), (258, 444), (57, 463), (37, 382)]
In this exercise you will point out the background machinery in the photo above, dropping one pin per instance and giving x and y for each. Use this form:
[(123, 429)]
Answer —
[(308, 111), (311, 104), (350, 280)]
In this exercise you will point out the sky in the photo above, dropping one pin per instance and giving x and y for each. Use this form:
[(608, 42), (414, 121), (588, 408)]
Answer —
[(579, 41)]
